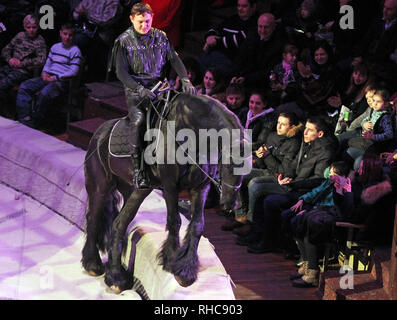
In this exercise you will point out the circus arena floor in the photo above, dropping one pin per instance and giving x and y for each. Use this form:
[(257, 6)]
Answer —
[(42, 222)]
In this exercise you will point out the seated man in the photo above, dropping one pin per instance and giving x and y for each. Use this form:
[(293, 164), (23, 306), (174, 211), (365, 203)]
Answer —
[(223, 42), (141, 54), (305, 172), (26, 51), (62, 63), (259, 53)]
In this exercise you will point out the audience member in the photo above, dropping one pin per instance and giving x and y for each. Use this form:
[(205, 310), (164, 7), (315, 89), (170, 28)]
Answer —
[(223, 42), (235, 99), (317, 150), (377, 130), (213, 84), (25, 52), (260, 52), (62, 63), (301, 26), (270, 159), (284, 77), (380, 42), (260, 117), (313, 217), (374, 201), (352, 102), (319, 80)]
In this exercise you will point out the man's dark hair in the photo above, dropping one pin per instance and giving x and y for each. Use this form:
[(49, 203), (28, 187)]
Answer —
[(320, 123), (141, 8), (67, 26)]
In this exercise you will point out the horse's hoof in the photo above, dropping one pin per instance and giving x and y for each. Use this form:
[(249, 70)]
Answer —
[(115, 289), (182, 282), (94, 269), (94, 274)]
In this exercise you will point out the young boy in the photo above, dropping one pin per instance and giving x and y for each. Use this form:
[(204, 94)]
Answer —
[(312, 218), (62, 63), (26, 51)]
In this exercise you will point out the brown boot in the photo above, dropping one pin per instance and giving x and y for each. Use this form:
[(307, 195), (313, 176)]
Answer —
[(308, 280), (301, 271)]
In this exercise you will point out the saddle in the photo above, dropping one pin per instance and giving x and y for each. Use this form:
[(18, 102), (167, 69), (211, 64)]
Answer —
[(119, 136)]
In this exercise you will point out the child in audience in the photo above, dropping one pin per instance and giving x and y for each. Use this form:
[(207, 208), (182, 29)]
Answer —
[(312, 218)]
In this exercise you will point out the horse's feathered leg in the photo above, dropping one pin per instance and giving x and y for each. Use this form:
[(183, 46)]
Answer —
[(185, 266), (100, 200), (171, 244), (116, 277)]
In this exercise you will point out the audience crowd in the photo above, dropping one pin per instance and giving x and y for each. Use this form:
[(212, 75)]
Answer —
[(318, 98)]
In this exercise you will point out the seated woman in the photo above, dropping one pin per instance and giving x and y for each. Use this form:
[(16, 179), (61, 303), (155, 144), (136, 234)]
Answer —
[(374, 201), (377, 130), (260, 117), (313, 218), (352, 102), (319, 79), (213, 84)]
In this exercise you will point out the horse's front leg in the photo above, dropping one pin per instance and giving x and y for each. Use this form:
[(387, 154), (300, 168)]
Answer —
[(116, 277), (185, 266), (171, 244)]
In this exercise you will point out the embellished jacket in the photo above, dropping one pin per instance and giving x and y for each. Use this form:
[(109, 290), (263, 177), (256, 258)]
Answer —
[(140, 59)]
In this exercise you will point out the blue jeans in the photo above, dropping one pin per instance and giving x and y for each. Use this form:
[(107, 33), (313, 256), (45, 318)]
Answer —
[(357, 155), (49, 91), (260, 187)]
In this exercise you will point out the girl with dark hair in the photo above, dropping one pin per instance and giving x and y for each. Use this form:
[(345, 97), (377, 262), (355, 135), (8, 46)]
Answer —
[(213, 84)]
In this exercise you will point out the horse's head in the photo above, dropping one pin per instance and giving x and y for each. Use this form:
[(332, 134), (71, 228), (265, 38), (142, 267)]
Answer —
[(232, 173)]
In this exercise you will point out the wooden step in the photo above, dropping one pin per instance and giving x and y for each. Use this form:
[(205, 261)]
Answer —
[(106, 100), (80, 132)]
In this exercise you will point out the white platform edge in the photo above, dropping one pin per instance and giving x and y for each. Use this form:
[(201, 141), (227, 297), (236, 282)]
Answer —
[(41, 166)]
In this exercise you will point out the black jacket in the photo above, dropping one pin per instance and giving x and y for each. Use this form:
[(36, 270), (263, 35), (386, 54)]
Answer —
[(282, 151), (257, 57), (312, 159)]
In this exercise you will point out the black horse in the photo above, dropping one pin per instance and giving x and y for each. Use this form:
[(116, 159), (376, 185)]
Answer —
[(106, 174)]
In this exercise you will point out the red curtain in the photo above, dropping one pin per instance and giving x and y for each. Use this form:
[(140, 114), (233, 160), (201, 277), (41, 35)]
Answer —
[(167, 16)]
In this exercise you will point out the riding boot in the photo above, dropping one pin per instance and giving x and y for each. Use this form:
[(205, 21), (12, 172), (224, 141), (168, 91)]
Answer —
[(139, 180)]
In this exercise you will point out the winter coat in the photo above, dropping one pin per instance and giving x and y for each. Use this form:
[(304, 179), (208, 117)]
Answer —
[(312, 159), (282, 150)]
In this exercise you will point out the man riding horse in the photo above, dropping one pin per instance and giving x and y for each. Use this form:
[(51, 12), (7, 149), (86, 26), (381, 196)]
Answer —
[(140, 54)]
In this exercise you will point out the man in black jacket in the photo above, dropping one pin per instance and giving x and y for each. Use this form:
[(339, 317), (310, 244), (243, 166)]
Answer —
[(141, 53), (306, 171), (260, 52), (272, 158), (223, 42)]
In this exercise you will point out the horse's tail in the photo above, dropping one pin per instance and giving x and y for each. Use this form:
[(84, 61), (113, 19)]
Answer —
[(111, 209)]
